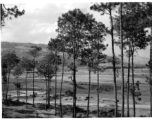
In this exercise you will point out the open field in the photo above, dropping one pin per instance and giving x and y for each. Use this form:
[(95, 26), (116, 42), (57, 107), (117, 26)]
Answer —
[(106, 91)]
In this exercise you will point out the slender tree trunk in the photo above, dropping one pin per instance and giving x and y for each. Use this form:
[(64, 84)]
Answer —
[(128, 83), (49, 92), (150, 82), (74, 88), (75, 95), (4, 83), (134, 109), (4, 86), (98, 80), (26, 88), (49, 84), (56, 80), (19, 94), (74, 80), (114, 67), (33, 82), (8, 84), (89, 92), (17, 90), (122, 68), (46, 94), (16, 93), (61, 85)]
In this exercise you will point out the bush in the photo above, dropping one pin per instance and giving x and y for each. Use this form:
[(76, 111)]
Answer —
[(69, 109), (35, 94), (81, 115), (57, 97), (106, 112), (25, 111), (105, 87), (69, 93), (15, 103)]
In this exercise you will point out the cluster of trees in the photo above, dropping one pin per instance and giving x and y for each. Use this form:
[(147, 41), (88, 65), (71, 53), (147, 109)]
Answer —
[(45, 66), (130, 25), (82, 38)]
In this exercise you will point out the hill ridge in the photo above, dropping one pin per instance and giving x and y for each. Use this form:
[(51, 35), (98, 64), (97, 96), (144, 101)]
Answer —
[(25, 46)]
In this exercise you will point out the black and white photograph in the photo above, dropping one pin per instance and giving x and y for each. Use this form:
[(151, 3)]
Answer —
[(76, 59)]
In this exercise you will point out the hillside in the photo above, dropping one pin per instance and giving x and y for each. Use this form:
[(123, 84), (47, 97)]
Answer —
[(12, 45), (22, 49)]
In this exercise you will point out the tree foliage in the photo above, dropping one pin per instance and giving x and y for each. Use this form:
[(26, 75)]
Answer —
[(133, 26), (17, 70), (109, 8), (34, 51), (9, 12), (46, 66), (9, 59), (27, 64)]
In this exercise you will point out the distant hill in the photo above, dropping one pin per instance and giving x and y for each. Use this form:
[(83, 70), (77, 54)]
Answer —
[(22, 49), (12, 45)]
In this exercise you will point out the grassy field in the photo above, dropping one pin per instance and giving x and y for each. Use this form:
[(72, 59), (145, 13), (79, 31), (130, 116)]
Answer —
[(106, 89)]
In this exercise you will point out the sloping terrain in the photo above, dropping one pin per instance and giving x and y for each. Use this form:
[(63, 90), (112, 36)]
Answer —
[(22, 49)]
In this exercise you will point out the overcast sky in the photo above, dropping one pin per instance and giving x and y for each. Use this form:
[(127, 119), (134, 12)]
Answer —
[(39, 23)]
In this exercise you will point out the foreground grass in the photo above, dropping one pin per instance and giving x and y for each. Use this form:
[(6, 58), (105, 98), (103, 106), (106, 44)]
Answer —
[(16, 109)]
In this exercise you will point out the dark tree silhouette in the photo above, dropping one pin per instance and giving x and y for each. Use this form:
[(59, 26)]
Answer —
[(55, 44), (10, 60), (34, 52), (46, 67), (71, 24), (108, 8), (17, 72), (134, 35), (27, 65), (9, 12), (122, 67)]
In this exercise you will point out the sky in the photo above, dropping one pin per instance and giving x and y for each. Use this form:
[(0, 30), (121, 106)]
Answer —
[(39, 23)]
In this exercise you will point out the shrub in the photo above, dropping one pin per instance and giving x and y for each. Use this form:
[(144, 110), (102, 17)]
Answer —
[(25, 111), (69, 93)]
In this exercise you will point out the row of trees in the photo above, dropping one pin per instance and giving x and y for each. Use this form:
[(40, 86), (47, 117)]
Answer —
[(82, 37), (133, 20), (11, 63), (45, 66), (84, 40), (129, 27)]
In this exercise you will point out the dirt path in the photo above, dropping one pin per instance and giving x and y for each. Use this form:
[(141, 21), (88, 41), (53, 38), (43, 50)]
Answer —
[(104, 105), (84, 104)]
